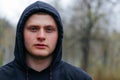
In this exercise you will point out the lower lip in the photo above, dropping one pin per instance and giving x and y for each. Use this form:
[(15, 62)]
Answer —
[(40, 47)]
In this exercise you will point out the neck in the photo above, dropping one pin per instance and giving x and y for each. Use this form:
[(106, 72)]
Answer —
[(38, 64)]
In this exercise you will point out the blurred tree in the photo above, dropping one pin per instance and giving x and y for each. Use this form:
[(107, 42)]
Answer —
[(87, 38), (89, 16), (7, 34)]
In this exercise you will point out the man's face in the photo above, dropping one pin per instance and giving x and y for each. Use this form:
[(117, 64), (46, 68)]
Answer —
[(40, 35)]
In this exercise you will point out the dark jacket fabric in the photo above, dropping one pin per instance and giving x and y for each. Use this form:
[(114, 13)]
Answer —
[(58, 70)]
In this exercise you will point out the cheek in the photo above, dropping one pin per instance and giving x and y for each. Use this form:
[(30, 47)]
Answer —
[(53, 41), (27, 39)]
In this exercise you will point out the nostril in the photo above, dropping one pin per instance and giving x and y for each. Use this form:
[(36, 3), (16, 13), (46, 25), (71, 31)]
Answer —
[(41, 38)]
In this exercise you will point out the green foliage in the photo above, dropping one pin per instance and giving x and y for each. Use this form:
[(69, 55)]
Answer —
[(0, 59), (105, 73)]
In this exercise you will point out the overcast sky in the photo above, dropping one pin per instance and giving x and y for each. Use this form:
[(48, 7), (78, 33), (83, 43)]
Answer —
[(12, 9)]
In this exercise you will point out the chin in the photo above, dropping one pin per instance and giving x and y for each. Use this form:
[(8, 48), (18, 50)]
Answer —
[(40, 56)]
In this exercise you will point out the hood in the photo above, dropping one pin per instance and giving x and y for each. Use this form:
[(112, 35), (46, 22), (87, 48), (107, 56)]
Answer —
[(19, 44)]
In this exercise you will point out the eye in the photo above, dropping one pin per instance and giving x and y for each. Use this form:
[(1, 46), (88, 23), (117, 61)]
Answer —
[(33, 28), (50, 29)]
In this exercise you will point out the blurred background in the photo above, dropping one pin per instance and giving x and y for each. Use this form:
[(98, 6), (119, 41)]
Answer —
[(91, 33)]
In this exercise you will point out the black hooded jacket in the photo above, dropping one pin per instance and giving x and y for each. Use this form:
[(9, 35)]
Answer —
[(58, 70)]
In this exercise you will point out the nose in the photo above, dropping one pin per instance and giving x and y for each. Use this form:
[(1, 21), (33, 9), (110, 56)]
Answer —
[(41, 35)]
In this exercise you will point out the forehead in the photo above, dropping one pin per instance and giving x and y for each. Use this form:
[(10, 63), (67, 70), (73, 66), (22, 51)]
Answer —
[(41, 18), (41, 14)]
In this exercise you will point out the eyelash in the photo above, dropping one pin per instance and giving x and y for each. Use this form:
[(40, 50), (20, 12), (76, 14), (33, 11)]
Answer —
[(33, 28), (48, 29)]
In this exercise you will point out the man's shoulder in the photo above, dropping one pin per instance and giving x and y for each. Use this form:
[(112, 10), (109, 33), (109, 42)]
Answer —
[(7, 68), (70, 67), (7, 71), (75, 72)]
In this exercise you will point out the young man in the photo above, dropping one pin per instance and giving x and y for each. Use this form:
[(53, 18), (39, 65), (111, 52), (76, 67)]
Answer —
[(38, 48)]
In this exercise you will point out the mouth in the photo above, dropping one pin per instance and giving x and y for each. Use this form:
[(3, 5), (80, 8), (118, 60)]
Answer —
[(40, 46)]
